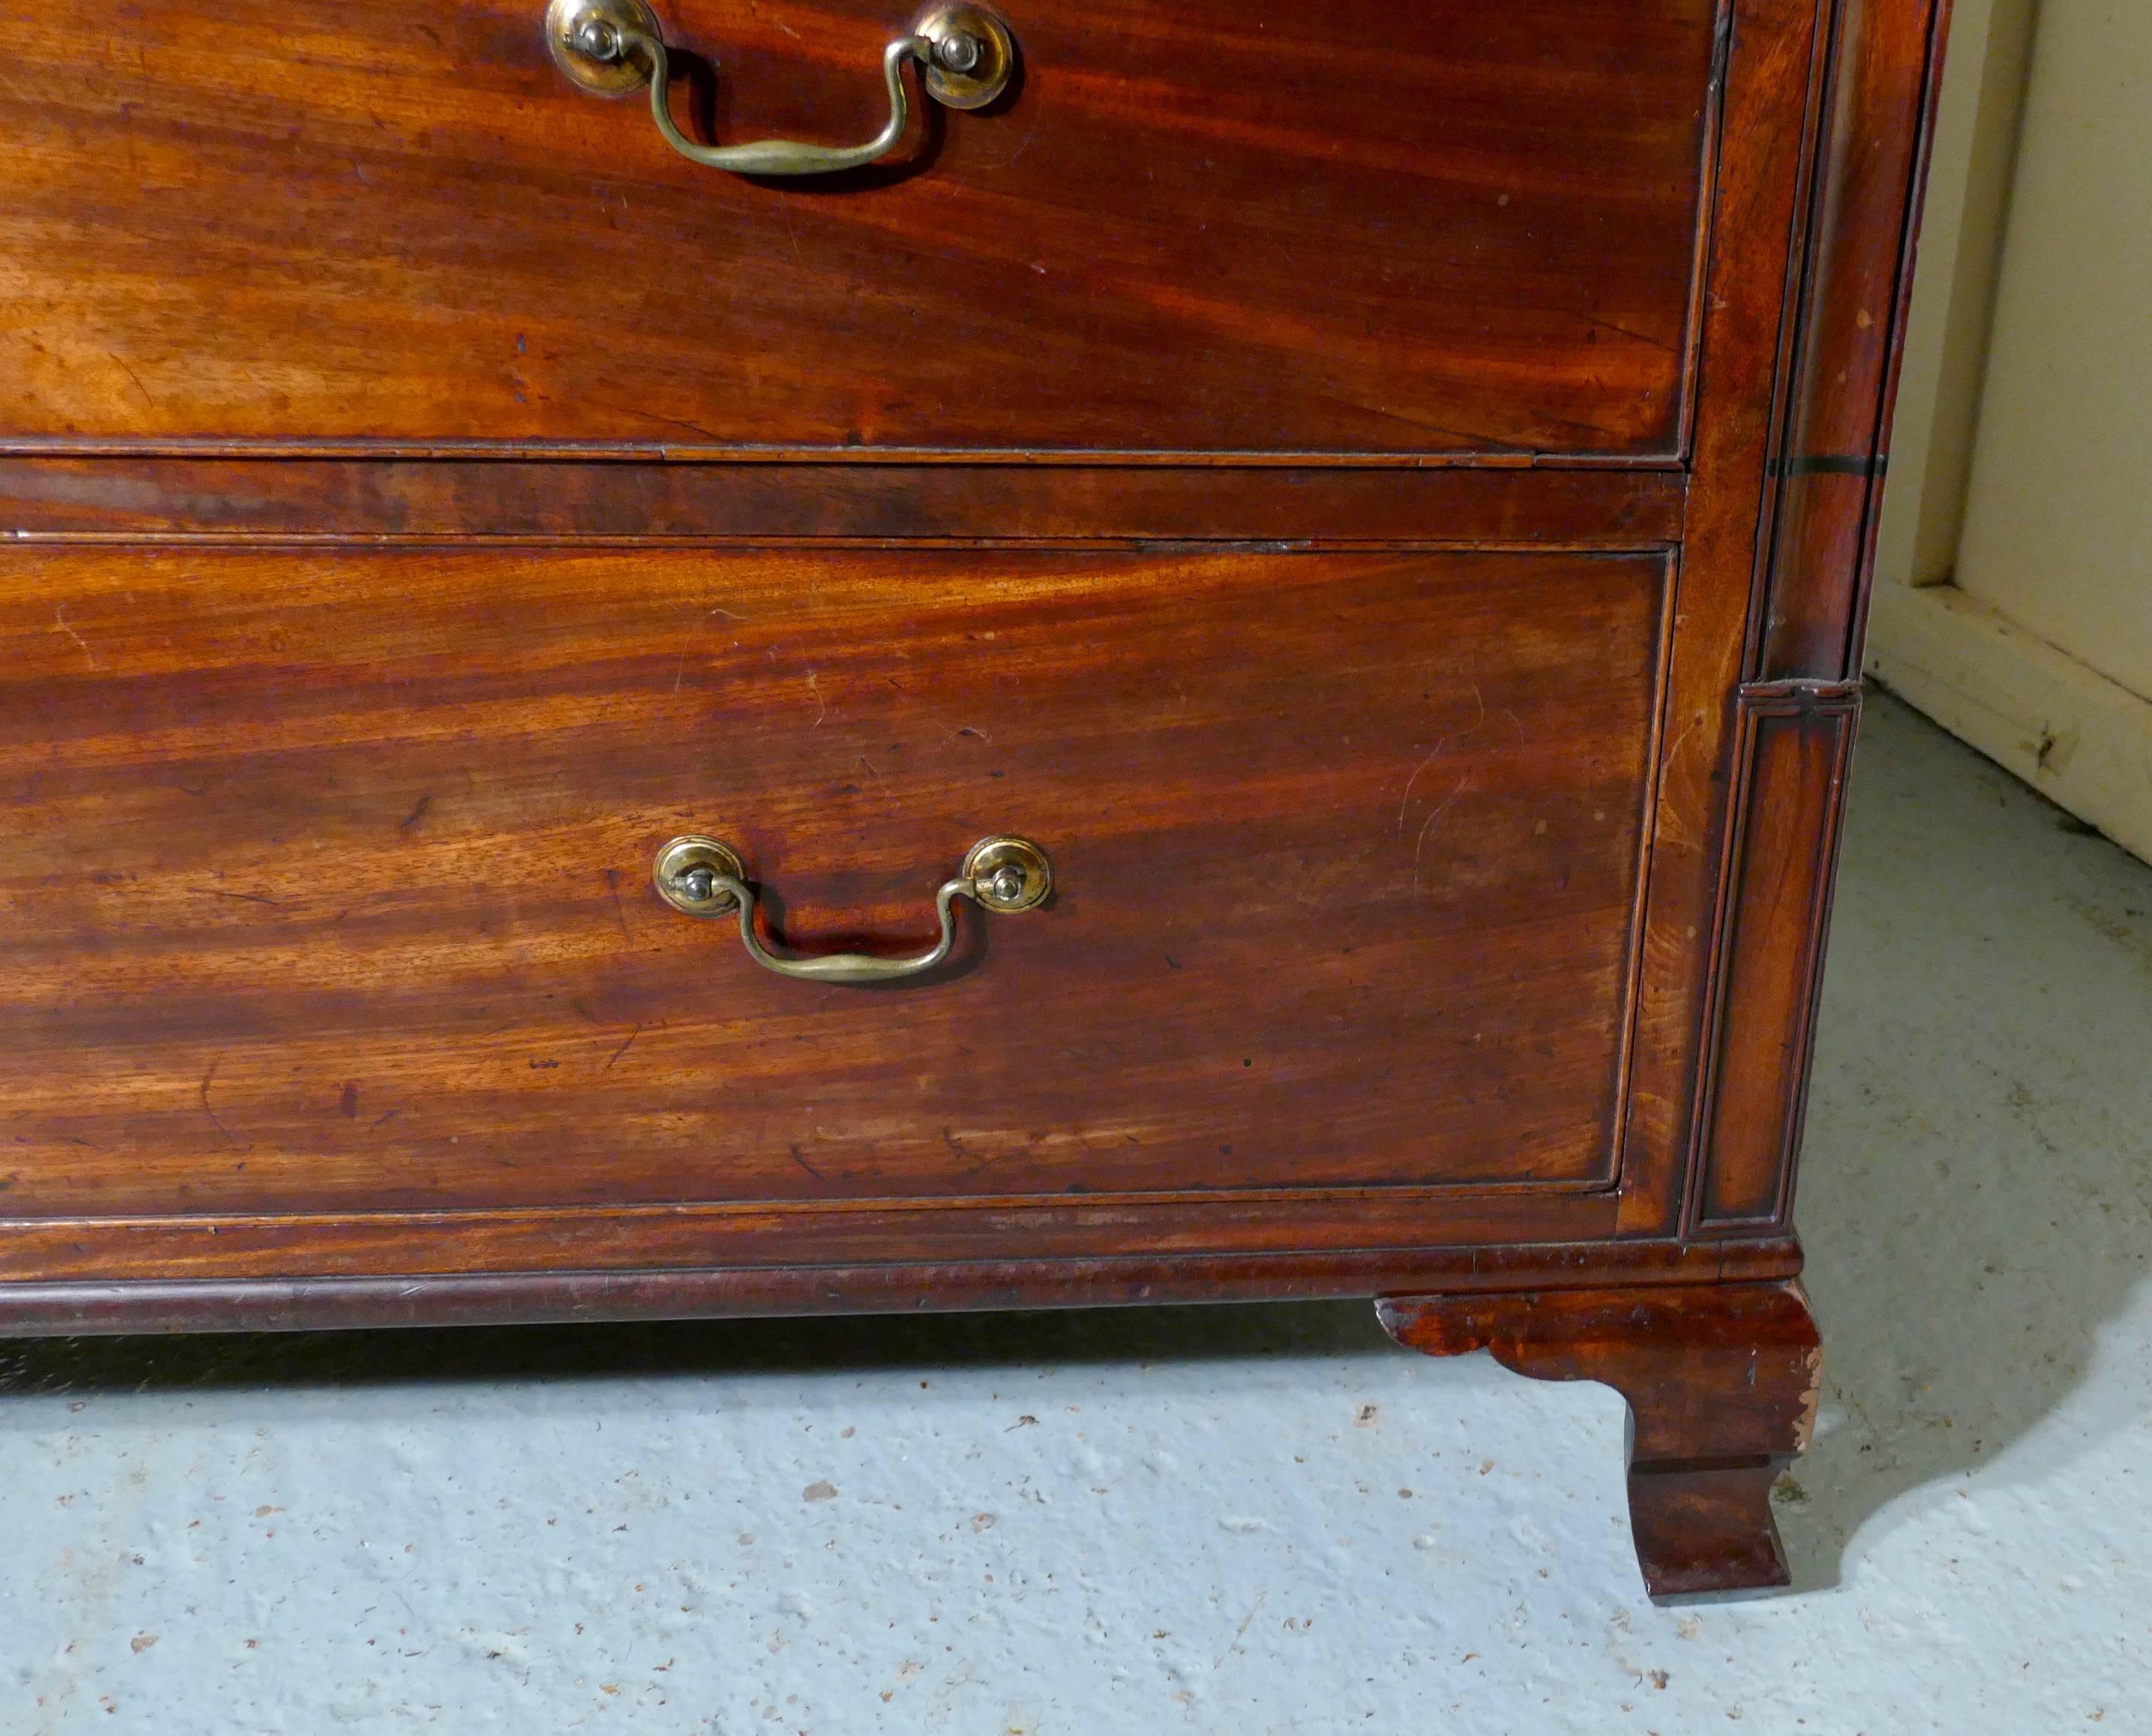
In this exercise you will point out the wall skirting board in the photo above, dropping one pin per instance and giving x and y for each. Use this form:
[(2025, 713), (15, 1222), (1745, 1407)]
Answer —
[(2081, 740)]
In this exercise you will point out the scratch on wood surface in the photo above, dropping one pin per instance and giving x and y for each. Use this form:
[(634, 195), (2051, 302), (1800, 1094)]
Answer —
[(61, 621), (1674, 746), (215, 1120), (1023, 145), (621, 1050), (1406, 803), (1419, 845), (680, 669), (137, 378), (1642, 337), (673, 422), (1435, 753), (755, 11)]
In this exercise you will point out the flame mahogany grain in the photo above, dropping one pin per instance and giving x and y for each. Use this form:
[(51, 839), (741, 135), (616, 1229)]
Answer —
[(331, 884), (298, 220), (1389, 489)]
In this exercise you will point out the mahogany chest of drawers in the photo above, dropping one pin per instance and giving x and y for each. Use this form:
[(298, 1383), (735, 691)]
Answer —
[(1157, 649)]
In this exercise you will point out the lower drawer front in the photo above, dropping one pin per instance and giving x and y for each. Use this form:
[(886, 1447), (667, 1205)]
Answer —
[(326, 874)]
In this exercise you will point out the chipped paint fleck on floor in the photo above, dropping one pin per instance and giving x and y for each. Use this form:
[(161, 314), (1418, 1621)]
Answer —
[(1247, 1520)]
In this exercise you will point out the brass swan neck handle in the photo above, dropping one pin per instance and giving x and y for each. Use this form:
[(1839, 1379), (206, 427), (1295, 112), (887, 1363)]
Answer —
[(613, 47), (705, 878)]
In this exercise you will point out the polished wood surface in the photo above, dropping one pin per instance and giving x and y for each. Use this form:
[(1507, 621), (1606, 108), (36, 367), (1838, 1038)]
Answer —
[(1384, 495), (328, 887), (755, 1257), (1770, 137), (1722, 1381), (1791, 750), (1198, 225), (1887, 78)]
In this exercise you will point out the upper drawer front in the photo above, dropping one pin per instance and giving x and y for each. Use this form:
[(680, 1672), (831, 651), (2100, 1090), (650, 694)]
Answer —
[(1446, 226)]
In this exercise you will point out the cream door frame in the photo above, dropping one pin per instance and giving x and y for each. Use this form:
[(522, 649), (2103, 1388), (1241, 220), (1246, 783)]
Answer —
[(2013, 600)]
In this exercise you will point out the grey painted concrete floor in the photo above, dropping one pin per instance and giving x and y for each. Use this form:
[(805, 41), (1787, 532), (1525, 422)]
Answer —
[(1235, 1520)]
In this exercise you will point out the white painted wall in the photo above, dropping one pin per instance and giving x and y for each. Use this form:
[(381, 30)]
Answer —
[(2014, 593), (2058, 521), (1969, 179)]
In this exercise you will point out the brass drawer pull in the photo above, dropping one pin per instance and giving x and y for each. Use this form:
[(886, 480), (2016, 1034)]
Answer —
[(613, 47), (705, 878)]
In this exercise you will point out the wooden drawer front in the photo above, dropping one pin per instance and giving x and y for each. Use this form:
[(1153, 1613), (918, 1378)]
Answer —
[(326, 876), (1449, 226)]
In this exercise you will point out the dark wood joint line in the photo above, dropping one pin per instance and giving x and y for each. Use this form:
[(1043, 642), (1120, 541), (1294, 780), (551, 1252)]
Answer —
[(134, 501), (1833, 463), (1792, 744)]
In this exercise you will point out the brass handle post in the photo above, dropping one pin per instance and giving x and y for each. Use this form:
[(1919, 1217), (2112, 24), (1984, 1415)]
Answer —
[(703, 877), (965, 56)]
